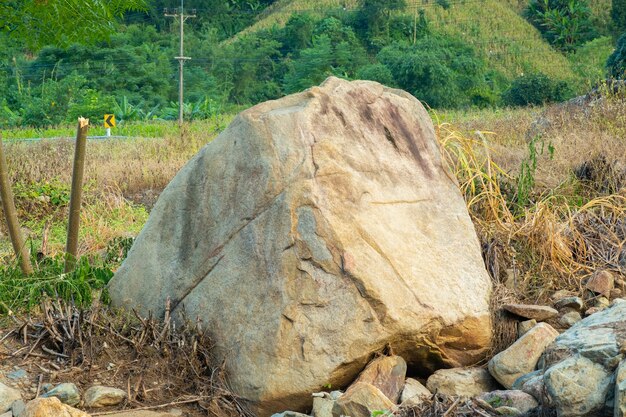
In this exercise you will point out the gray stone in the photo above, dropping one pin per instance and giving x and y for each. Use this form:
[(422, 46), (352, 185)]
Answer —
[(508, 411), (522, 356), (536, 387), (601, 302), (533, 312), (464, 382), (620, 391), (360, 400), (323, 407), (100, 396), (510, 398), (17, 374), (597, 337), (413, 393), (569, 319), (577, 386), (290, 414), (67, 393), (7, 396), (524, 326), (17, 408), (7, 414), (575, 303), (519, 382), (321, 218)]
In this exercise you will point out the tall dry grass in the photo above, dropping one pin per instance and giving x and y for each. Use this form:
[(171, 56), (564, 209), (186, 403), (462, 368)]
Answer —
[(574, 222)]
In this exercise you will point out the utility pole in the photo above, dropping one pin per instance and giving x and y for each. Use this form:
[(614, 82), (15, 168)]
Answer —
[(181, 58)]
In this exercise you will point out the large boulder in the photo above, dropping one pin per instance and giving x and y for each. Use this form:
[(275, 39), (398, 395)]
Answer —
[(314, 231)]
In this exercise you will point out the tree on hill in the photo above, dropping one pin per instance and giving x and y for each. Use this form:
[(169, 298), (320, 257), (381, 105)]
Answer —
[(62, 22), (616, 64), (618, 13), (566, 24), (373, 19)]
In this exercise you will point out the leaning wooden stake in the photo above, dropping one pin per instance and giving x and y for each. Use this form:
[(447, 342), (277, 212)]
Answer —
[(10, 214), (76, 195)]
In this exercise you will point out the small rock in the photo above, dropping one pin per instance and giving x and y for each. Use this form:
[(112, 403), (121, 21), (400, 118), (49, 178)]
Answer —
[(413, 392), (524, 326), (334, 395), (602, 303), (528, 311), (577, 386), (522, 356), (323, 407), (601, 282), (615, 293), (569, 302), (561, 294), (18, 407), (7, 414), (508, 411), (100, 396), (387, 373), (17, 374), (7, 396), (464, 382), (569, 319), (510, 398), (620, 391), (176, 412), (535, 386), (593, 310), (360, 400), (51, 407), (290, 414), (67, 392)]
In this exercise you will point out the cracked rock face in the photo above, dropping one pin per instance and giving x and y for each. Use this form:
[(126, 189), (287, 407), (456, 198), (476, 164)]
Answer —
[(314, 231)]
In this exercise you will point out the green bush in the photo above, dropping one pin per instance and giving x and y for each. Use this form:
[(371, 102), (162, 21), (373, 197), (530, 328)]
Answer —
[(376, 72), (535, 89), (443, 72), (616, 64), (566, 24)]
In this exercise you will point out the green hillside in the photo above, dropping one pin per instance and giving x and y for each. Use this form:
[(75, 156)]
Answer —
[(496, 28)]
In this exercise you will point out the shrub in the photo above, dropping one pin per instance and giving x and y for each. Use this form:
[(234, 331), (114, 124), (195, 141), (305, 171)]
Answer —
[(535, 89), (616, 64), (441, 71), (564, 23), (376, 72)]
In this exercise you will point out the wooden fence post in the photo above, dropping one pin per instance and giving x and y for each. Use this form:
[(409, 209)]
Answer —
[(76, 194), (10, 214)]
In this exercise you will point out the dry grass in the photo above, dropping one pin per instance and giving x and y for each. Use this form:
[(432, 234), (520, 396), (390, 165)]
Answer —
[(159, 363), (570, 226), (123, 179)]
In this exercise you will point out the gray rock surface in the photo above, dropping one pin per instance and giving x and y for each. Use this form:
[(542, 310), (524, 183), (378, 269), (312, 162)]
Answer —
[(314, 231), (7, 396), (522, 356), (577, 386), (575, 303), (510, 398), (67, 393), (620, 391), (598, 337), (322, 407), (569, 319), (465, 382)]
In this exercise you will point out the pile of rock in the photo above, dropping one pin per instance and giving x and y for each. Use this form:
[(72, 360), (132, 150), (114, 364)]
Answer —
[(60, 400), (581, 372)]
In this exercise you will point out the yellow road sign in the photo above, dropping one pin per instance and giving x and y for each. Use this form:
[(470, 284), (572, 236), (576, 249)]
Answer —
[(109, 120)]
